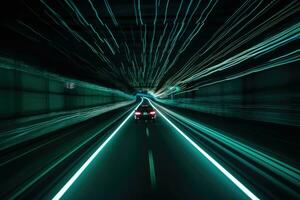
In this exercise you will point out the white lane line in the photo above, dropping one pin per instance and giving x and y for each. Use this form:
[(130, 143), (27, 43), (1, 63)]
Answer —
[(64, 189), (206, 155), (151, 164), (152, 169)]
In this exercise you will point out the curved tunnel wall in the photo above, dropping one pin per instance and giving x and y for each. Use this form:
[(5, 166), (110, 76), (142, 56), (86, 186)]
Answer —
[(25, 91), (268, 96)]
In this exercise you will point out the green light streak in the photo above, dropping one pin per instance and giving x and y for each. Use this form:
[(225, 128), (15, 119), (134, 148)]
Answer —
[(156, 56), (110, 47), (111, 12), (166, 11), (254, 158), (270, 44), (212, 160), (140, 12), (135, 13), (64, 189), (96, 13), (114, 39), (78, 37), (224, 39), (277, 166)]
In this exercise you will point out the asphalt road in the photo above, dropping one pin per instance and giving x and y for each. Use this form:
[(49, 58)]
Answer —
[(25, 165), (151, 161), (146, 160)]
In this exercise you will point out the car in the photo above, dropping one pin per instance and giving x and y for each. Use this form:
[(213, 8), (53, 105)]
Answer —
[(145, 112)]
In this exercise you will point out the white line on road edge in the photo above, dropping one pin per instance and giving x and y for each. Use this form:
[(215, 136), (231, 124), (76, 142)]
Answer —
[(147, 131), (206, 155), (63, 190)]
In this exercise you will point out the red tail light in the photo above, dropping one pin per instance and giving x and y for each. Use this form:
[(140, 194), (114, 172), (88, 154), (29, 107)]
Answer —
[(152, 112), (137, 113)]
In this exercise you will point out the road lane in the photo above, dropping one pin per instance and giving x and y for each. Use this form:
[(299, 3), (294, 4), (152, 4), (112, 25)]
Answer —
[(120, 171), (183, 173), (263, 174), (124, 169), (23, 168)]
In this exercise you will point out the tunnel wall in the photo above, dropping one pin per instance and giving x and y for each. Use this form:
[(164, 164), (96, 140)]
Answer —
[(269, 96), (26, 91)]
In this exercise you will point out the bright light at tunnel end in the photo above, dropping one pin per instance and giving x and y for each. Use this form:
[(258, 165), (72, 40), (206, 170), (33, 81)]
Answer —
[(64, 189), (206, 155)]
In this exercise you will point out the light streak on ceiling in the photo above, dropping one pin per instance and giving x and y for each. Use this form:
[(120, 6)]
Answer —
[(159, 44)]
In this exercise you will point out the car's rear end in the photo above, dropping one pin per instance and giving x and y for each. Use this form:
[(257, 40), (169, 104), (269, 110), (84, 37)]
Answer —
[(144, 113)]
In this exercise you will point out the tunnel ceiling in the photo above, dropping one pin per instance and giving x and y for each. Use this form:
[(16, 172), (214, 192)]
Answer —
[(158, 45)]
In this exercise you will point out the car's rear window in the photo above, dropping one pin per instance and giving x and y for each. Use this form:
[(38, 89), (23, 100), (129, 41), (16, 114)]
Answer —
[(145, 109)]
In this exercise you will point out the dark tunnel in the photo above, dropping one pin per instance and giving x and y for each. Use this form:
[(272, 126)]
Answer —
[(162, 99)]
